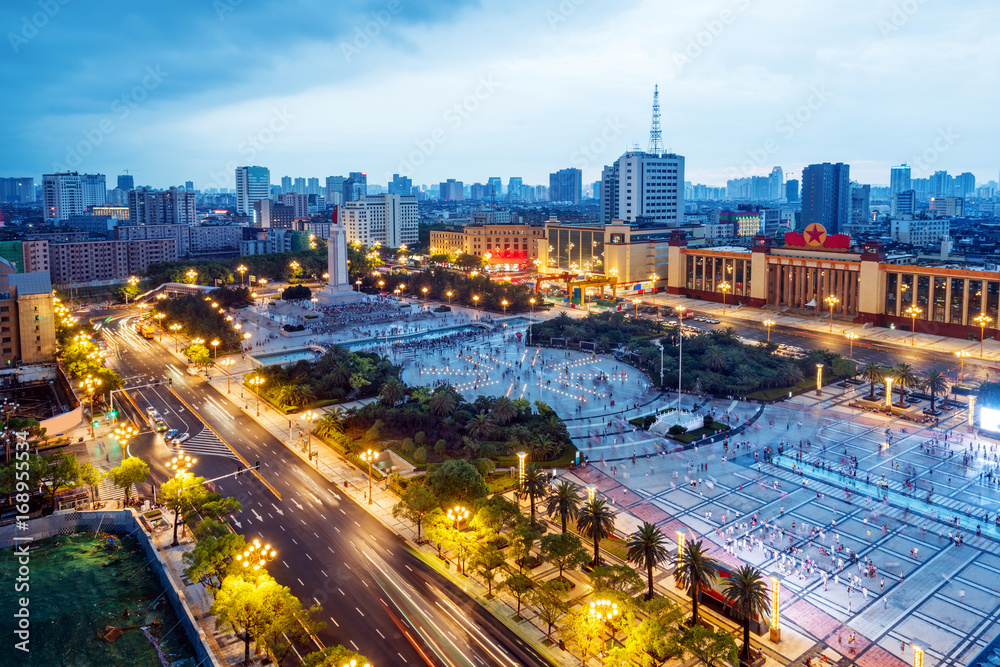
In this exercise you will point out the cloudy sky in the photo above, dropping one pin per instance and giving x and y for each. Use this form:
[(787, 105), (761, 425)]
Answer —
[(438, 89)]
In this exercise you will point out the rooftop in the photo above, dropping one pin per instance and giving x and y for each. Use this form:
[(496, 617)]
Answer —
[(24, 284)]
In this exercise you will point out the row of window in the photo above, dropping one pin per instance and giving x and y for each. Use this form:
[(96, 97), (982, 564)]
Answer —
[(940, 298)]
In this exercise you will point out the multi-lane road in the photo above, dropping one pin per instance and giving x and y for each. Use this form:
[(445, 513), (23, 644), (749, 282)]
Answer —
[(378, 596)]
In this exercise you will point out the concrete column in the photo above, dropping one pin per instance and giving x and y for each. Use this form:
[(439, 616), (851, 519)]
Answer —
[(965, 301), (947, 301)]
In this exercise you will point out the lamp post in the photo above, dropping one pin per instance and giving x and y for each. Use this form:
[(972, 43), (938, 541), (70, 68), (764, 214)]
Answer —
[(458, 514), (913, 312), (132, 281), (521, 457), (424, 290), (888, 393), (680, 554), (192, 275), (819, 379), (851, 336), (449, 294), (215, 348), (369, 457), (831, 301), (769, 323), (653, 278), (358, 283), (603, 610), (175, 328), (962, 355), (246, 338), (475, 300), (680, 356), (531, 301), (724, 286), (228, 362), (242, 269), (775, 608), (636, 302), (982, 320), (591, 492), (257, 381), (256, 556), (504, 303), (159, 318), (309, 418), (918, 654)]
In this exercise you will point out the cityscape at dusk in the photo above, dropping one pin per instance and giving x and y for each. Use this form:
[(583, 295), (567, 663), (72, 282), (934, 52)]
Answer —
[(483, 334)]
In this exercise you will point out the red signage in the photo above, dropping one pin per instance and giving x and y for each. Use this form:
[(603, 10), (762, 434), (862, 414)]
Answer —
[(814, 237)]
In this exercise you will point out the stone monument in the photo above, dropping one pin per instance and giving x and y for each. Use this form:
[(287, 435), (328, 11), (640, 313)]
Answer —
[(338, 290)]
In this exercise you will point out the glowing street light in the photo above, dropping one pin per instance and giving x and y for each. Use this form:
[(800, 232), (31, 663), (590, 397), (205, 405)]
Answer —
[(831, 301), (851, 336), (175, 328), (724, 287), (242, 269), (369, 457), (962, 355), (475, 300), (458, 514), (256, 381), (227, 362), (775, 608), (358, 283), (591, 492), (769, 323), (819, 379), (888, 393), (159, 317), (181, 463), (449, 294), (191, 275), (309, 417), (681, 536), (603, 610), (132, 281), (913, 312), (636, 302), (918, 654), (256, 556), (983, 320), (504, 303), (653, 278), (215, 348)]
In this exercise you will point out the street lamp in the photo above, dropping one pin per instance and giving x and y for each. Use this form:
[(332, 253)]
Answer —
[(591, 492), (851, 336), (124, 433), (192, 274), (448, 294), (521, 457), (475, 300), (819, 379), (918, 654), (768, 324), (246, 338), (775, 608), (653, 278), (424, 290), (159, 317), (603, 611), (175, 328), (256, 556), (962, 354), (181, 463), (309, 418), (257, 381), (680, 555), (369, 457), (381, 284), (680, 356), (504, 303), (215, 348), (132, 281), (636, 302), (888, 393), (913, 312), (228, 362), (831, 301), (982, 320), (358, 283), (724, 286), (242, 269)]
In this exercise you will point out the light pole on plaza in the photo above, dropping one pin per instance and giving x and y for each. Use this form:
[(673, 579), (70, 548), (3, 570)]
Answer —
[(228, 362), (831, 301), (603, 611), (852, 337), (768, 324), (256, 556), (475, 300), (504, 303), (918, 654), (888, 393), (192, 275), (246, 337), (962, 354), (635, 302), (358, 283), (652, 279), (681, 536), (819, 379), (532, 301), (680, 356), (159, 318), (982, 320), (369, 457), (242, 269), (215, 348), (521, 456), (775, 608), (913, 312), (724, 286), (309, 418), (449, 293), (256, 381), (174, 328), (132, 281)]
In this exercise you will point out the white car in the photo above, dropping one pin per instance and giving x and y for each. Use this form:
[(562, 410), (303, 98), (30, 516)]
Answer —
[(181, 438)]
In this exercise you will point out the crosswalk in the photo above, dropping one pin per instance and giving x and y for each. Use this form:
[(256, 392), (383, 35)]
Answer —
[(204, 443), (108, 492)]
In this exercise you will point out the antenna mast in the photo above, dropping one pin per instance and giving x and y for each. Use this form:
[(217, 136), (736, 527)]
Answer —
[(655, 134)]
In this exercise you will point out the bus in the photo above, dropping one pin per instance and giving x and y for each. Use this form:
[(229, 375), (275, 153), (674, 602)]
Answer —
[(146, 330)]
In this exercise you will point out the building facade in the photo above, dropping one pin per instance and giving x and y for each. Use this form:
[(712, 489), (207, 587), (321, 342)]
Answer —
[(645, 189), (175, 206), (27, 320), (62, 196), (566, 185), (252, 184), (106, 262), (503, 246), (826, 196)]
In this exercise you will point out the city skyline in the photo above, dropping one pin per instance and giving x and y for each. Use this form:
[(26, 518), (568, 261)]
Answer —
[(436, 105)]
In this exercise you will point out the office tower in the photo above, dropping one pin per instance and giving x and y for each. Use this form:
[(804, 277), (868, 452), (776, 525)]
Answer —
[(286, 184), (451, 190), (299, 186), (566, 185), (494, 187), (388, 219), (514, 186), (312, 187), (826, 196), (298, 202), (965, 185), (334, 190), (401, 185), (93, 190), (268, 215), (644, 189), (162, 207), (126, 182), (860, 207), (61, 196), (355, 186), (596, 189), (941, 184), (904, 203), (17, 190), (899, 180), (252, 184), (189, 186), (774, 184)]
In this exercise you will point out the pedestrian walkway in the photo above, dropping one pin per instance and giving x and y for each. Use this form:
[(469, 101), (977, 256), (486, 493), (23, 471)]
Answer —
[(205, 443)]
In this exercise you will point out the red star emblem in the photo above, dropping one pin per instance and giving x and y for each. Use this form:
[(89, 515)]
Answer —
[(815, 234)]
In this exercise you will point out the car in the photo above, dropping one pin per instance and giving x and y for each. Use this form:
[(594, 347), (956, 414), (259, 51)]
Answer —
[(150, 410), (192, 370), (168, 436), (178, 439), (443, 309)]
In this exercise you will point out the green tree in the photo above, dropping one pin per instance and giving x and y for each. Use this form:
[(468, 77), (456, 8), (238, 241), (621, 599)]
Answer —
[(711, 648), (64, 472), (564, 550), (495, 515), (655, 639), (936, 383), (533, 484), (212, 559), (199, 355), (620, 578), (905, 375), (468, 262), (746, 591), (331, 422), (443, 401), (415, 504), (563, 500), (392, 393), (502, 410), (873, 373), (480, 426), (437, 529), (583, 633), (547, 597), (695, 568), (457, 481), (333, 656), (130, 471), (487, 563), (518, 585), (91, 477), (596, 521), (647, 547), (180, 493), (522, 540)]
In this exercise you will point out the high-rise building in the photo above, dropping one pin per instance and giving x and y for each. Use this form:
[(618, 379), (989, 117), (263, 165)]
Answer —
[(899, 180), (644, 189), (93, 190), (401, 185), (189, 186), (566, 185), (514, 186), (942, 184), (252, 184), (299, 186), (286, 184), (775, 181), (17, 190), (269, 215), (312, 187), (860, 207), (162, 207), (826, 196), (298, 202), (356, 186), (903, 204), (335, 190), (597, 189), (451, 190), (390, 220), (494, 187), (965, 184), (792, 190), (62, 196), (126, 182)]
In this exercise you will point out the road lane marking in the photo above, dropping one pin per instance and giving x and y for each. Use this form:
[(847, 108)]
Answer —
[(362, 615)]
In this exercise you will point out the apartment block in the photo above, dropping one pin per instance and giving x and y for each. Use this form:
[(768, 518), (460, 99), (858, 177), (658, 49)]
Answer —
[(106, 262), (215, 238), (27, 320), (180, 234)]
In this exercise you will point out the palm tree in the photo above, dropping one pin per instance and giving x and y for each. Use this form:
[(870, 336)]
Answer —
[(647, 547), (936, 383), (595, 521), (331, 422), (341, 373), (714, 359), (564, 501), (694, 569), (532, 485), (393, 392), (502, 410), (443, 402), (873, 372), (791, 374), (904, 375), (480, 426), (746, 591)]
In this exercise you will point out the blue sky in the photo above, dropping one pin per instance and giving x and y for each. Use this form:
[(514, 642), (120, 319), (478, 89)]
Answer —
[(441, 89)]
